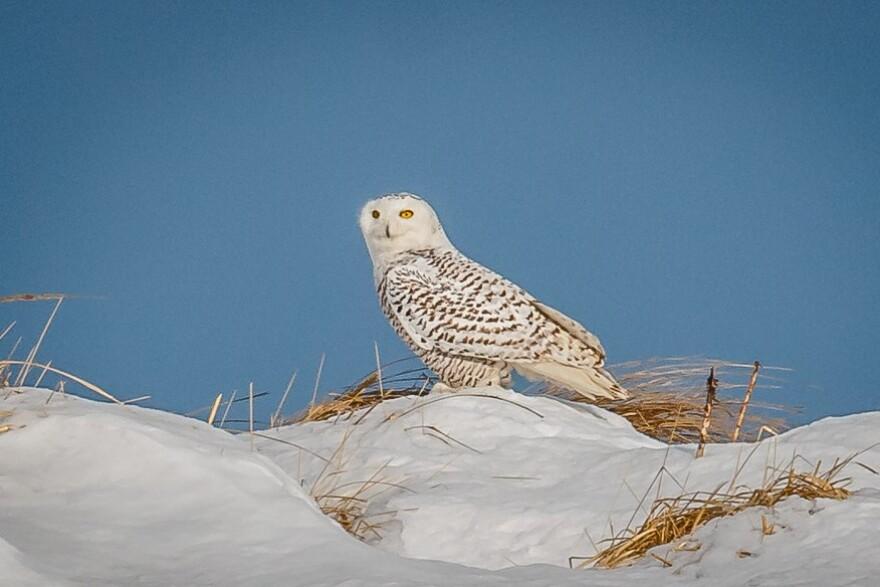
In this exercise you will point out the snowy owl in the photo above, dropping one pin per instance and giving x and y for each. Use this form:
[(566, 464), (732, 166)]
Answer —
[(467, 323)]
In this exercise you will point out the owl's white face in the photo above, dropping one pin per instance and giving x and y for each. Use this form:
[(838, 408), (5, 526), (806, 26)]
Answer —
[(395, 223)]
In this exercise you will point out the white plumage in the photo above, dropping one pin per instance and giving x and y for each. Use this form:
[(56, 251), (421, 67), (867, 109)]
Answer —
[(467, 323)]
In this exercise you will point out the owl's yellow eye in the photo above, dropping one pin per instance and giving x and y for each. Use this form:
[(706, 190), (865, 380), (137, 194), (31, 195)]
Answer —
[(406, 213), (375, 213)]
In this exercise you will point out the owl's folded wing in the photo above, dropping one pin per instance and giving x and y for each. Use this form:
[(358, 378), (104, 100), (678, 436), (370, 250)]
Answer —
[(575, 329), (482, 316)]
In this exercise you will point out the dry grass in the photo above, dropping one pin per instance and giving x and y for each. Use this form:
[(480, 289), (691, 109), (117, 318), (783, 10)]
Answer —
[(671, 519), (711, 398), (30, 363), (671, 417), (344, 502), (348, 507), (70, 376), (668, 400), (5, 427), (5, 376), (347, 502), (366, 394)]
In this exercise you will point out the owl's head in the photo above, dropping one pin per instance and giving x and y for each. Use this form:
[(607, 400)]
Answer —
[(399, 222)]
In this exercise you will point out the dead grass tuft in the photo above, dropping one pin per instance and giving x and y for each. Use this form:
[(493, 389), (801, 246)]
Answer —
[(668, 400), (671, 519), (347, 502), (365, 394), (349, 509)]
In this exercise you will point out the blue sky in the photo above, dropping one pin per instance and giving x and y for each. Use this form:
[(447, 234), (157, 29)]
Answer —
[(683, 178)]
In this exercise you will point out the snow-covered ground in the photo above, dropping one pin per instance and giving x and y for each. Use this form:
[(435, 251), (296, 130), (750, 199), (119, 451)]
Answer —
[(493, 490)]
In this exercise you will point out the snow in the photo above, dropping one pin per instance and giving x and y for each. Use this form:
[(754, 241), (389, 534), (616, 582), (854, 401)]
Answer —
[(498, 489)]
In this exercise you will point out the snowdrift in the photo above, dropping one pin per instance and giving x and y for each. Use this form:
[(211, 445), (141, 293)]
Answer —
[(493, 490)]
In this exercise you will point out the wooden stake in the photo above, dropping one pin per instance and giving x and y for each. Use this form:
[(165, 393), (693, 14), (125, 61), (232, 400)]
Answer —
[(745, 403), (711, 389)]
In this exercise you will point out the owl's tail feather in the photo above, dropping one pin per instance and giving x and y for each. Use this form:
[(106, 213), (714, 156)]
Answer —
[(590, 382)]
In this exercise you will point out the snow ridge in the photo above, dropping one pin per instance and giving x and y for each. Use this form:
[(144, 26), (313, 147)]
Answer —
[(509, 485)]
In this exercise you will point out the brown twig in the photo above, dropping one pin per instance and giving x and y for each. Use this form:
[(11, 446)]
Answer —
[(711, 389), (32, 297), (745, 403)]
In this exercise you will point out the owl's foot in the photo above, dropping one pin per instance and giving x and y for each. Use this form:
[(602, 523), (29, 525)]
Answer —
[(441, 387)]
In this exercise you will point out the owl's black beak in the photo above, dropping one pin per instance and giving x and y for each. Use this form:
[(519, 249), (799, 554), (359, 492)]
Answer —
[(387, 231)]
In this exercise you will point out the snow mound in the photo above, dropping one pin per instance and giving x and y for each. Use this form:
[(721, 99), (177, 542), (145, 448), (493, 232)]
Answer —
[(505, 479), (97, 494)]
